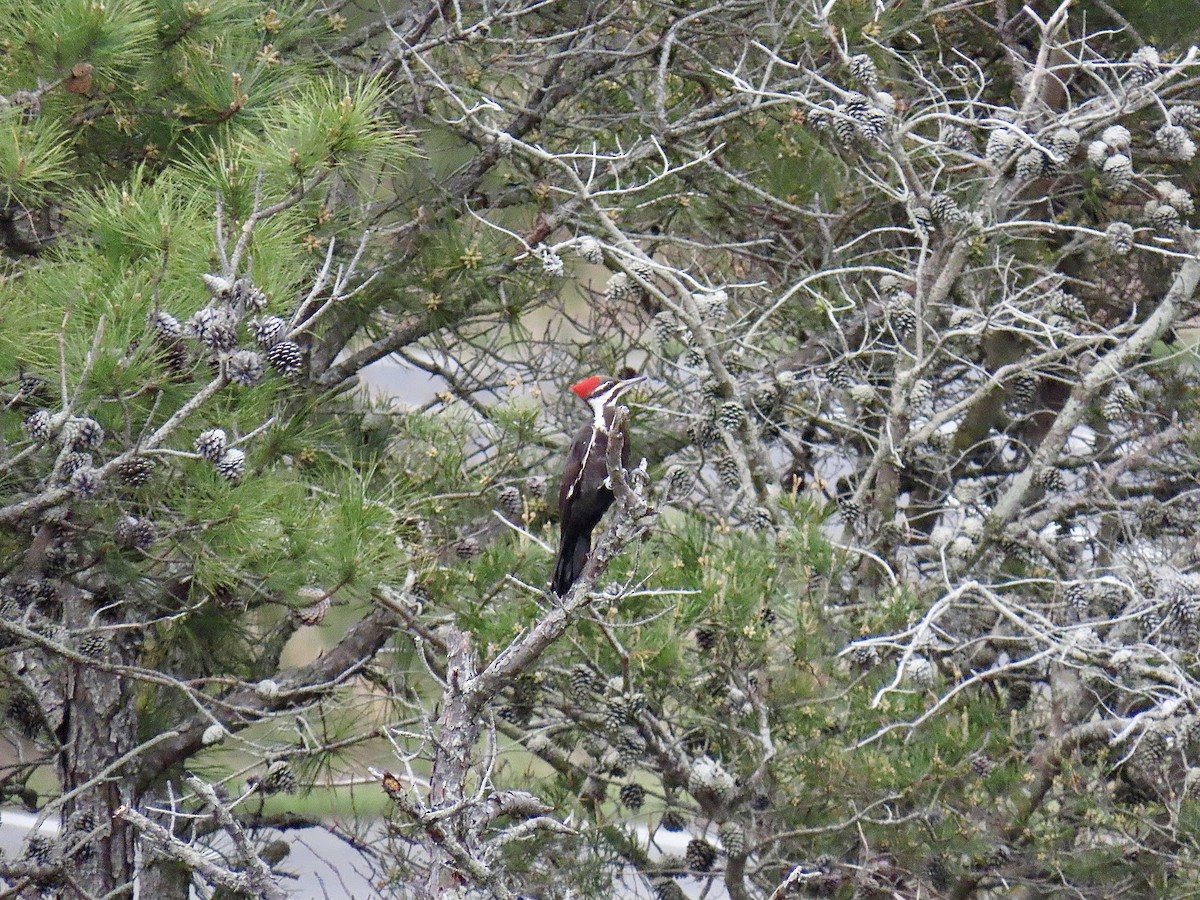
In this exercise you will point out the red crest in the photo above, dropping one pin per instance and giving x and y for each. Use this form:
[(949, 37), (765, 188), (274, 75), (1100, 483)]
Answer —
[(583, 389)]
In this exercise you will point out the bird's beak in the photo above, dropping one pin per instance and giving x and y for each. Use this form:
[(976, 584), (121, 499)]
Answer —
[(627, 383)]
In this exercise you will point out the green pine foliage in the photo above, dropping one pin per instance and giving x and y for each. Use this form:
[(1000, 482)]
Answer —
[(115, 39), (144, 148), (33, 159)]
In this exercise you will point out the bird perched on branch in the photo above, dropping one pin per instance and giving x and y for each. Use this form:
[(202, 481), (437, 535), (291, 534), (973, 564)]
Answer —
[(585, 493)]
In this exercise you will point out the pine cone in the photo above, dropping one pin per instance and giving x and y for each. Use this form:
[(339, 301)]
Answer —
[(28, 591), (1000, 144), (1117, 137), (1119, 402), (633, 796), (164, 326), (872, 121), (1064, 141), (919, 671), (759, 518), (920, 394), (1177, 197), (232, 464), (839, 376), (42, 849), (316, 606), (30, 386), (1144, 65), (710, 392), (211, 444), (945, 211), (1162, 216), (584, 682), (81, 433), (467, 548), (245, 368), (862, 70), (956, 137), (1051, 479), (1031, 164), (679, 481), (268, 331), (551, 263), (1175, 142), (902, 320), (245, 297), (279, 779), (851, 510), (819, 118), (285, 358), (590, 249), (79, 825), (1025, 389), (1098, 152), (844, 127), (1117, 172), (631, 749), (865, 656), (982, 766), (733, 838), (86, 481), (665, 327), (727, 470), (1067, 304), (93, 646), (133, 533), (24, 711), (731, 415), (216, 327), (703, 434), (922, 220), (714, 306), (709, 780), (40, 426), (509, 501), (618, 287), (700, 855), (135, 471), (1078, 596), (1186, 115)]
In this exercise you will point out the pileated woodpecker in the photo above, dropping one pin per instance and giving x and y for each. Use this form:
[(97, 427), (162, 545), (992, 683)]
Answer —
[(585, 494)]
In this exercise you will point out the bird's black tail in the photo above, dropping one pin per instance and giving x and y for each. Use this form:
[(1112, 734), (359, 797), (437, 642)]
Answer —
[(572, 557)]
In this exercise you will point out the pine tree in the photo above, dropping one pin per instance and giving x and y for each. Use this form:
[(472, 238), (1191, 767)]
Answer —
[(155, 151)]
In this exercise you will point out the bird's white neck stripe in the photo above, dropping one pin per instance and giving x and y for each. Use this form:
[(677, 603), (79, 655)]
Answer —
[(598, 421)]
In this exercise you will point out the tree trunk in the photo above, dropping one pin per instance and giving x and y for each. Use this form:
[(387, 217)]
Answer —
[(457, 731), (164, 879), (99, 727)]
